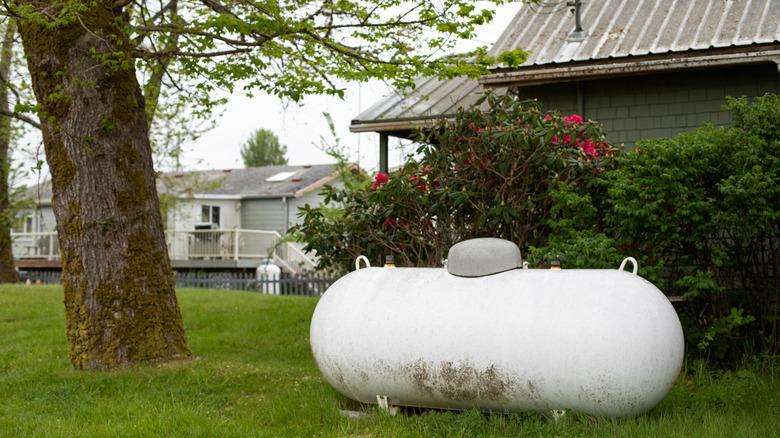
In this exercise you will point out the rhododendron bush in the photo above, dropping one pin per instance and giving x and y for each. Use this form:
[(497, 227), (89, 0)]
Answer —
[(700, 211), (498, 169)]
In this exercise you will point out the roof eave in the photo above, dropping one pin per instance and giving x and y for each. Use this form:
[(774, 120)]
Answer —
[(395, 125), (627, 66)]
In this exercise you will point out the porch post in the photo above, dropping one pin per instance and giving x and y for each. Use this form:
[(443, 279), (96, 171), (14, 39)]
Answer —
[(51, 246), (383, 152), (235, 244)]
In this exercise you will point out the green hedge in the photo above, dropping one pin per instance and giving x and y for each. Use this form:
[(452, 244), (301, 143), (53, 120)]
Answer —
[(701, 211)]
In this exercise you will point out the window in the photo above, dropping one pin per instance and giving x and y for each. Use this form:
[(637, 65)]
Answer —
[(23, 224), (209, 214)]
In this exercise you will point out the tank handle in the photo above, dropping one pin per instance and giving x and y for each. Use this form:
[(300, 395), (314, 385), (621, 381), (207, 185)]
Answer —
[(358, 259), (633, 262)]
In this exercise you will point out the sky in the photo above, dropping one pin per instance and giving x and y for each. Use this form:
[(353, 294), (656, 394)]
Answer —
[(301, 126)]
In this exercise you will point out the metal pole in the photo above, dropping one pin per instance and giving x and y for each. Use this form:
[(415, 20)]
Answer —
[(577, 16)]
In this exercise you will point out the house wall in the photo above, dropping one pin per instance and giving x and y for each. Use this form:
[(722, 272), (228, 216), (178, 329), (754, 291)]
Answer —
[(187, 213), (660, 105), (312, 198), (268, 214), (263, 214)]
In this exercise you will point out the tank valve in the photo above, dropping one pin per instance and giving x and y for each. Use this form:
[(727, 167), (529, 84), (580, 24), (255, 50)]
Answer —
[(389, 261), (555, 264)]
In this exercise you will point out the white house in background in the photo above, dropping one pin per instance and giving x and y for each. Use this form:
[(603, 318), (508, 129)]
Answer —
[(218, 219)]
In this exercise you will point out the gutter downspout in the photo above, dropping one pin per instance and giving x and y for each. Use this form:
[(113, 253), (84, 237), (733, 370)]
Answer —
[(581, 99)]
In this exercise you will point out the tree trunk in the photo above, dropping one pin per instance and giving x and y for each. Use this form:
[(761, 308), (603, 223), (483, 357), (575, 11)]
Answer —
[(120, 301), (7, 268)]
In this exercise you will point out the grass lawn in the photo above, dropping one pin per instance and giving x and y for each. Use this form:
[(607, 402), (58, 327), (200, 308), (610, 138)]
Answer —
[(255, 377)]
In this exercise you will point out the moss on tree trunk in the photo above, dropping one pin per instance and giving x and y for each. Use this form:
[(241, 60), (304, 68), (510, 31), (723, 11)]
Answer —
[(120, 302), (7, 268)]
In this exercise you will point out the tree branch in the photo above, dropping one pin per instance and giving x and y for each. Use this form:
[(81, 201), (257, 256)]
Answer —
[(119, 4), (20, 117), (144, 54)]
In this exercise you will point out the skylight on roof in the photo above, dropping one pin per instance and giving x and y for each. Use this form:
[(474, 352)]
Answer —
[(281, 176)]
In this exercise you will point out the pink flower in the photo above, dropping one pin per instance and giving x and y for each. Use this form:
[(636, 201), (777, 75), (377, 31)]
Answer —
[(574, 119), (471, 126), (547, 117), (480, 130), (554, 139), (567, 139), (413, 178)]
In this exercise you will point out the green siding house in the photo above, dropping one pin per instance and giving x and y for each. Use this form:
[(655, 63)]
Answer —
[(644, 68)]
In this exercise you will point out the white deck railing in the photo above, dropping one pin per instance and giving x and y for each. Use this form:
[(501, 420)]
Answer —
[(235, 244), (41, 245)]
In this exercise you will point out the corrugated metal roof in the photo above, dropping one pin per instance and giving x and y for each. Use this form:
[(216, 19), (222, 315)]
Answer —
[(614, 29), (624, 28), (431, 98)]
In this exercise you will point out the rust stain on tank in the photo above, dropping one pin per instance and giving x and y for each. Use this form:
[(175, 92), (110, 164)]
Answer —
[(458, 381), (420, 376)]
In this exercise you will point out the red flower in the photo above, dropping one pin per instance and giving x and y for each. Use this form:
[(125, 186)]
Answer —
[(547, 117), (590, 149), (381, 178), (413, 178), (567, 139), (471, 126), (554, 139), (390, 222), (574, 119)]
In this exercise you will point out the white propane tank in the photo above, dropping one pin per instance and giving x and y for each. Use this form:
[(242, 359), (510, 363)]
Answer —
[(601, 342), (268, 274)]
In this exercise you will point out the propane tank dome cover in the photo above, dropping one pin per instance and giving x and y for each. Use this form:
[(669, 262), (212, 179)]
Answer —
[(483, 256)]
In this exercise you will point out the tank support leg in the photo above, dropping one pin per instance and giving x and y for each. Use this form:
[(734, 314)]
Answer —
[(557, 414), (384, 404)]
